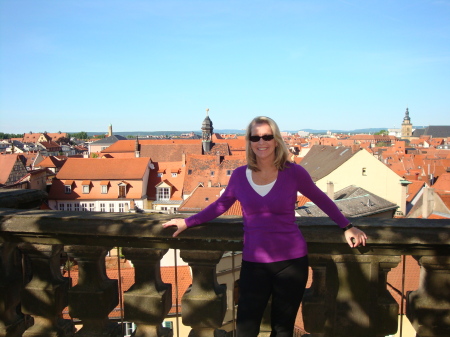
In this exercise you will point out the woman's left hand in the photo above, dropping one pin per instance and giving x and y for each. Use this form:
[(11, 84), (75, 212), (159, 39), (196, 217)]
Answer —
[(355, 237)]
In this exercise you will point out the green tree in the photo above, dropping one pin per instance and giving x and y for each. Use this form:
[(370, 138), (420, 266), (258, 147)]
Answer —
[(79, 135), (382, 133)]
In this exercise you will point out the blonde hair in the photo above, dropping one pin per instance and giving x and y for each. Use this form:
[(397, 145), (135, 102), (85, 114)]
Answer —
[(281, 151)]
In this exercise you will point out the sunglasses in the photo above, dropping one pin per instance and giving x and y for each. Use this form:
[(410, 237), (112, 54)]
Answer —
[(255, 139)]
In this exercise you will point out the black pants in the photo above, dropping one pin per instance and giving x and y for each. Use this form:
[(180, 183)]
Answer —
[(285, 281)]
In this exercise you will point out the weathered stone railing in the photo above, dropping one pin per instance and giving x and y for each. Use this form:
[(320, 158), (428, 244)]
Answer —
[(348, 296)]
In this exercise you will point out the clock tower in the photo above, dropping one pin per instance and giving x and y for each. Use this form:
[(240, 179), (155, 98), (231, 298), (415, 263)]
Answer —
[(406, 126)]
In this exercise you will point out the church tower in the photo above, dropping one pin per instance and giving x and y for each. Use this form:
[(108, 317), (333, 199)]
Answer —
[(406, 126), (207, 131)]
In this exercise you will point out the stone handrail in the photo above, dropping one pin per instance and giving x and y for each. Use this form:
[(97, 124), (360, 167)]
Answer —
[(348, 296)]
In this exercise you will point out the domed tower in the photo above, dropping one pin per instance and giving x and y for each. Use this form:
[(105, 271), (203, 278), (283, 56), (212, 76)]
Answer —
[(207, 131), (406, 126)]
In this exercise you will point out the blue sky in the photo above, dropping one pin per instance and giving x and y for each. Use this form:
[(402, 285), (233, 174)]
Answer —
[(157, 65)]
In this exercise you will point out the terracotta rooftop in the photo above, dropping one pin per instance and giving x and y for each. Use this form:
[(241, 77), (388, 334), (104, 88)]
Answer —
[(209, 170), (7, 162), (84, 168)]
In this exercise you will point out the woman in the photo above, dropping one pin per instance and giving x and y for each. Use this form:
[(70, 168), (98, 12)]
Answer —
[(274, 257)]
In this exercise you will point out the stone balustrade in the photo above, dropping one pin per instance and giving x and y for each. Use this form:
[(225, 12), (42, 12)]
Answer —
[(348, 295)]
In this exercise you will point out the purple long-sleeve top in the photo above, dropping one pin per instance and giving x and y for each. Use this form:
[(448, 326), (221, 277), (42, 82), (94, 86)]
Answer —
[(270, 231)]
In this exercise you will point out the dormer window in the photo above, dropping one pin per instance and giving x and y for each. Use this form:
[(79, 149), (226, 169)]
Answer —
[(86, 186), (104, 186), (122, 190), (163, 193), (68, 186), (163, 190), (174, 174), (160, 174), (212, 173)]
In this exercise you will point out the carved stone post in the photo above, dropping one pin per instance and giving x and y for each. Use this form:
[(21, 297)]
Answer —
[(45, 296), (348, 296), (95, 295), (149, 300), (11, 283), (204, 304), (428, 308)]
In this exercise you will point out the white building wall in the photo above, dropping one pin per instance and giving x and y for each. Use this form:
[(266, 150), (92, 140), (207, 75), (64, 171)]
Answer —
[(378, 178)]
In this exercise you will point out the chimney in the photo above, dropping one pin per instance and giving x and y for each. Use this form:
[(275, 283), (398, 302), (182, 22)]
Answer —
[(427, 202), (330, 190), (209, 183), (137, 147)]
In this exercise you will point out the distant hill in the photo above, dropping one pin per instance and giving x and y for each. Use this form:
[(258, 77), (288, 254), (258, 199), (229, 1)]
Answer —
[(239, 132)]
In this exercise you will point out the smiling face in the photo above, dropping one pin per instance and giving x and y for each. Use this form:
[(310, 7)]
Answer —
[(264, 150)]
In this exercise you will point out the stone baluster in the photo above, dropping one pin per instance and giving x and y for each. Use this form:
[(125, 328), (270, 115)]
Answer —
[(45, 296), (12, 323), (204, 303), (149, 300), (95, 295), (348, 296), (428, 308)]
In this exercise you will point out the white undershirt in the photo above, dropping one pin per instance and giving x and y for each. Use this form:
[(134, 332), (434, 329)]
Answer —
[(262, 190)]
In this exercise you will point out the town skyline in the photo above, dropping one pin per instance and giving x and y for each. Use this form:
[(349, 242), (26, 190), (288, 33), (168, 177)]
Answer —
[(160, 64)]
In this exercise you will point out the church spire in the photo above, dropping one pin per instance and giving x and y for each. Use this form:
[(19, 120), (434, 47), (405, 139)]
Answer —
[(406, 118), (207, 131), (406, 126)]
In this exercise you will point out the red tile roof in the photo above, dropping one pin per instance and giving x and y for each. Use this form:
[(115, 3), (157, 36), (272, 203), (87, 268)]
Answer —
[(215, 170), (53, 162), (442, 184), (7, 162), (413, 189), (103, 169), (167, 168)]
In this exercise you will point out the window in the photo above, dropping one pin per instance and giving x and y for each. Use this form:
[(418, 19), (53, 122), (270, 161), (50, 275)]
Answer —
[(111, 207), (69, 207), (364, 171), (163, 208), (212, 173), (67, 189), (77, 207), (91, 207), (128, 328), (121, 207), (174, 175), (122, 191), (104, 189), (84, 206), (61, 207), (163, 193), (86, 189), (160, 174), (229, 172), (167, 324), (189, 172), (102, 207)]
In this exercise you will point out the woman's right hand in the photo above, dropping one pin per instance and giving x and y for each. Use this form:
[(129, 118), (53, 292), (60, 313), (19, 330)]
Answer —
[(180, 223)]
